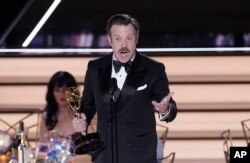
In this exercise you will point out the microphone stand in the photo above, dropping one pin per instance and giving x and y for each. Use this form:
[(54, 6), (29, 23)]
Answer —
[(112, 127), (116, 135), (114, 96)]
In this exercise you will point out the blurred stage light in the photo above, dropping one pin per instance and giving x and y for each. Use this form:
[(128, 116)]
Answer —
[(41, 23), (108, 50)]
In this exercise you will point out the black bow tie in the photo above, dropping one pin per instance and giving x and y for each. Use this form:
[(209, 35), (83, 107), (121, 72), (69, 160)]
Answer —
[(118, 65)]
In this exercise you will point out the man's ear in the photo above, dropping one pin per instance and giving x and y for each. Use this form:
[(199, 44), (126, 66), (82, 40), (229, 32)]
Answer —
[(110, 40), (137, 37)]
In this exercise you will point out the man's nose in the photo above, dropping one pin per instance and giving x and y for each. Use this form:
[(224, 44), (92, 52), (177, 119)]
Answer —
[(124, 43)]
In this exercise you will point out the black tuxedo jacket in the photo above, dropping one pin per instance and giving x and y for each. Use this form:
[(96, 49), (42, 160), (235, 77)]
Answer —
[(136, 126)]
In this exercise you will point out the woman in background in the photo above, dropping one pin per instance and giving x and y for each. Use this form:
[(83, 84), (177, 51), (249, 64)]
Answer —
[(57, 117)]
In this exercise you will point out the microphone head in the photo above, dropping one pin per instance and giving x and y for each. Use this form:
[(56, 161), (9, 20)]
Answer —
[(116, 94), (113, 85), (113, 82)]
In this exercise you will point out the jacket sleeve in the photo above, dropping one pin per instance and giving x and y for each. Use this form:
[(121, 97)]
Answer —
[(88, 101), (161, 89)]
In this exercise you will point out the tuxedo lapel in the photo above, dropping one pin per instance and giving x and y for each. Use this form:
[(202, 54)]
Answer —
[(133, 80)]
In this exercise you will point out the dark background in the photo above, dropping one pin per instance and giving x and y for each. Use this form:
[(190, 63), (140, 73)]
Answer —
[(197, 22)]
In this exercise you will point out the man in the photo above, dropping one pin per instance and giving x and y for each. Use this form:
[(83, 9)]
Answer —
[(144, 90)]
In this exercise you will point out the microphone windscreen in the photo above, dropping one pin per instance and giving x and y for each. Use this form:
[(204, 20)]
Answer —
[(113, 85)]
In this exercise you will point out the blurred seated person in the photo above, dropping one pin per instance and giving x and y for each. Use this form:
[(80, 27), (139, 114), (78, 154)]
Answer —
[(57, 117)]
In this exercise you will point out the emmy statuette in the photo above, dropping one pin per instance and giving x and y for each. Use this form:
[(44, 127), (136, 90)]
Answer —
[(86, 143)]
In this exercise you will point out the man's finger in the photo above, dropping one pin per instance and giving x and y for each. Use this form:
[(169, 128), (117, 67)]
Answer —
[(155, 103), (167, 98), (170, 95)]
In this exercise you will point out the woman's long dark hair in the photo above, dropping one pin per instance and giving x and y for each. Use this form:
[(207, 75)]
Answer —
[(59, 79)]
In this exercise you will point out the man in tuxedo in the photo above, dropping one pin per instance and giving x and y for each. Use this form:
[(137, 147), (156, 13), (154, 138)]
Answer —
[(125, 88)]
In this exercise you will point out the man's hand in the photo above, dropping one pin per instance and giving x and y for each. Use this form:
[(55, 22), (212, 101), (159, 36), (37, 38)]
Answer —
[(80, 125), (162, 107)]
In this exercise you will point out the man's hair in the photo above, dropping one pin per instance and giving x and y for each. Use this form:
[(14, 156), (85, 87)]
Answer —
[(122, 19)]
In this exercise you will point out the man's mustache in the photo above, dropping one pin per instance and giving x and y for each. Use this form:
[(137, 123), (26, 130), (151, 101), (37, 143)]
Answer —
[(124, 50)]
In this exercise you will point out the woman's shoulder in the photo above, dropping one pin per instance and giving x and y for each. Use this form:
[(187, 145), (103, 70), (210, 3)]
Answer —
[(44, 114)]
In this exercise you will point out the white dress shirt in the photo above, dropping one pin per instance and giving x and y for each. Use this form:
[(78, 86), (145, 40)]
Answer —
[(121, 76)]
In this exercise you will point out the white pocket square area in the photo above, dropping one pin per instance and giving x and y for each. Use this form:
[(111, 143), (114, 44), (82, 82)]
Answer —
[(142, 87)]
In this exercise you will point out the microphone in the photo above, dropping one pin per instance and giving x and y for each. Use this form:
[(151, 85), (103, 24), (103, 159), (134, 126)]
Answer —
[(113, 86), (114, 90), (114, 96)]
